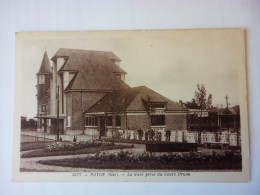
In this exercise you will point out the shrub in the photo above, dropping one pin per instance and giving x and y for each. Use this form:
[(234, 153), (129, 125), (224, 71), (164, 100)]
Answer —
[(140, 134), (128, 135), (116, 134), (159, 136), (67, 146), (168, 135), (178, 157), (151, 134)]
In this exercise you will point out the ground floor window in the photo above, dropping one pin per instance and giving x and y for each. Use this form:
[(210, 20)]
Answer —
[(91, 121), (157, 120)]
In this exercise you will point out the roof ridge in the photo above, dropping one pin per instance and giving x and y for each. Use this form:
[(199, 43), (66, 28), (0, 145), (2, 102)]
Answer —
[(86, 50)]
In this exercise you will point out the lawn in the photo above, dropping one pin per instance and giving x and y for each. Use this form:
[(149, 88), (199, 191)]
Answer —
[(34, 145), (127, 161), (68, 148)]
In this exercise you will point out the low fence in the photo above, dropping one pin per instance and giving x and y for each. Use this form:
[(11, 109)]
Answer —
[(31, 138), (183, 136)]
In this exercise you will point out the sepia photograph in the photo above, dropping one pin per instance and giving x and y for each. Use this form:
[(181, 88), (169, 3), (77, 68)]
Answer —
[(145, 105)]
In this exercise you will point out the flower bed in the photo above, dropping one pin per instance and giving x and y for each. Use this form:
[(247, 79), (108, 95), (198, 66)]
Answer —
[(127, 160), (34, 145), (73, 146), (69, 148)]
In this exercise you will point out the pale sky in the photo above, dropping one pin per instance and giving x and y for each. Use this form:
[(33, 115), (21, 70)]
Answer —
[(171, 62)]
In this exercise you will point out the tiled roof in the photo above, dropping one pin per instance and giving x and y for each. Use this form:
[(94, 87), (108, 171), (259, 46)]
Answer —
[(96, 69), (131, 100), (45, 67)]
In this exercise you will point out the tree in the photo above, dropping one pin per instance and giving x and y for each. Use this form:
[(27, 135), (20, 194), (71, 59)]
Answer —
[(191, 105), (209, 101), (31, 123), (201, 99)]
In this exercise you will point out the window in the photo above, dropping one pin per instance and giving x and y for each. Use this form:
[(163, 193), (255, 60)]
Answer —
[(157, 120), (118, 121), (44, 108), (158, 105), (41, 79), (91, 121)]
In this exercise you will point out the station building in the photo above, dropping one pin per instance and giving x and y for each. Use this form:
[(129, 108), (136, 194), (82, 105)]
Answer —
[(84, 92)]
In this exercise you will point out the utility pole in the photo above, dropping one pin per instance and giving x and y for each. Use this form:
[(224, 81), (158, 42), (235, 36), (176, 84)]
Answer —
[(227, 102), (58, 127), (227, 112)]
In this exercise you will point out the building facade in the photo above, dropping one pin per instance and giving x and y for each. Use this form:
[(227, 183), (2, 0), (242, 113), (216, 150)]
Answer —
[(84, 92), (214, 119)]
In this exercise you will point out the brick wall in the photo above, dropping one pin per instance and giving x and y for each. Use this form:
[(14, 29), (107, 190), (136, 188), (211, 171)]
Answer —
[(137, 121), (123, 122), (76, 103), (176, 122), (173, 122)]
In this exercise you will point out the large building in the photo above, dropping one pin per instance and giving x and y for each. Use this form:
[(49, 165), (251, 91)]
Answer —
[(85, 91)]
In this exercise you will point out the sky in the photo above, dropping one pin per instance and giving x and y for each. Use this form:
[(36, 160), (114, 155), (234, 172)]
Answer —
[(171, 62)]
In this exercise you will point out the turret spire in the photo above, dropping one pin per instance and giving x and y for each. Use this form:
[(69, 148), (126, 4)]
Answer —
[(45, 66)]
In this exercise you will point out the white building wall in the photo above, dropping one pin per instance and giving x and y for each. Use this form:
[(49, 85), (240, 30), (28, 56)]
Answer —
[(60, 63), (53, 89)]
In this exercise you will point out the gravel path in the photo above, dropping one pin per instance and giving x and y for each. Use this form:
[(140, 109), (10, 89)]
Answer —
[(31, 164)]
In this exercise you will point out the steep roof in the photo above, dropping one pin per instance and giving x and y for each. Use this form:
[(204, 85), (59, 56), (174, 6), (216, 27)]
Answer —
[(95, 69), (132, 100), (45, 67)]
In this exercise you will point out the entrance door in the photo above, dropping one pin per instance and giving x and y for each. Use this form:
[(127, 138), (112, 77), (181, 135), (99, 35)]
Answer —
[(102, 126)]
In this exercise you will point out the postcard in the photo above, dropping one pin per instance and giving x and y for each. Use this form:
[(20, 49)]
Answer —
[(130, 106)]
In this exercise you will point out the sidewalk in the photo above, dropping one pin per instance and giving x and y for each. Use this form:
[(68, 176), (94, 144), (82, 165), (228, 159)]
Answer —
[(53, 136)]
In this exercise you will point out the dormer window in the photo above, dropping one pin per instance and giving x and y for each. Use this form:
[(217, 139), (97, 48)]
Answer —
[(159, 105), (120, 76)]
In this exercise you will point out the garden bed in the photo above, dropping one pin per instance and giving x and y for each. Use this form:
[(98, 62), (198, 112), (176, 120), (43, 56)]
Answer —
[(34, 145), (68, 148), (126, 160)]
